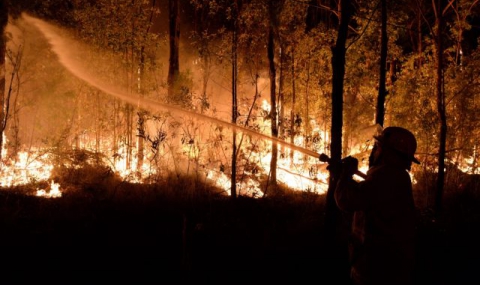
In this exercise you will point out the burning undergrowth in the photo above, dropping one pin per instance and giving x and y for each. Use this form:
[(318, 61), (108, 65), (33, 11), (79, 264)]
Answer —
[(182, 230), (85, 119)]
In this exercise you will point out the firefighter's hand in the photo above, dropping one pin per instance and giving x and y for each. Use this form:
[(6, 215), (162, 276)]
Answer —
[(349, 166)]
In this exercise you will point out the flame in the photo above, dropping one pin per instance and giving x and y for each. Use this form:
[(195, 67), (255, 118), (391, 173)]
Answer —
[(250, 187), (25, 169), (28, 168), (295, 169), (53, 193), (469, 165)]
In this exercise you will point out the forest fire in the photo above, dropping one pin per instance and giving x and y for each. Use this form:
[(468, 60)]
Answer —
[(196, 141), (300, 170), (174, 139), (304, 173)]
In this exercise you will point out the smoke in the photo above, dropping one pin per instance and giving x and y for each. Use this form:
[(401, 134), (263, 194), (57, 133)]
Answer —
[(67, 51)]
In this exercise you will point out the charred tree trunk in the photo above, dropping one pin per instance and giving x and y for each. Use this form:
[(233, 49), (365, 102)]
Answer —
[(307, 103), (273, 103), (15, 141), (440, 107), (333, 217), (281, 115), (141, 113), (128, 110), (338, 69), (234, 102), (3, 46), (292, 112), (128, 136), (174, 40), (382, 91), (116, 128)]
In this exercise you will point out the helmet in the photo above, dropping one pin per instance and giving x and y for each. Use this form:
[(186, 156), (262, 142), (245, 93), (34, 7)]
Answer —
[(399, 139)]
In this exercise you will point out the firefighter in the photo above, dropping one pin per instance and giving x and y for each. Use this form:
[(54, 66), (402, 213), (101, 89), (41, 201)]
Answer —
[(382, 241)]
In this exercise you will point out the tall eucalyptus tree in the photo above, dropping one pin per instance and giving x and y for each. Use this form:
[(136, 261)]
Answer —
[(439, 9), (442, 9), (235, 13), (382, 91), (3, 44), (274, 9), (174, 42), (333, 215)]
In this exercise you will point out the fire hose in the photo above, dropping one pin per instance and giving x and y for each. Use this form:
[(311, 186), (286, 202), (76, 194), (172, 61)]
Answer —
[(325, 158)]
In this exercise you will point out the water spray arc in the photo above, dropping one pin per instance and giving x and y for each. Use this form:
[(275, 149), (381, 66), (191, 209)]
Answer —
[(62, 47)]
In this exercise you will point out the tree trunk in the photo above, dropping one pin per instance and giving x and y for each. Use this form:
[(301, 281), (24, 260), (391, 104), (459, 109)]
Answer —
[(174, 39), (3, 46), (234, 103), (141, 91), (292, 112), (281, 99), (273, 104), (440, 108), (128, 132), (141, 113), (116, 128), (128, 136), (307, 103), (338, 69), (334, 220), (382, 91)]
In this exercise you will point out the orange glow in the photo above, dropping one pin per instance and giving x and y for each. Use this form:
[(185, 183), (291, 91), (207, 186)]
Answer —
[(54, 191), (27, 168), (298, 164)]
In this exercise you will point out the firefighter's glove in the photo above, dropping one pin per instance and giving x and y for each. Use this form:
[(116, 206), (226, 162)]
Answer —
[(349, 166)]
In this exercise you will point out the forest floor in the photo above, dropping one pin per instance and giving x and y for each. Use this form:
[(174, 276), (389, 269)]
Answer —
[(132, 236)]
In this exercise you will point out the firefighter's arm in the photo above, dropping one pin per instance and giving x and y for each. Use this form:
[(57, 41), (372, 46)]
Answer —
[(348, 193)]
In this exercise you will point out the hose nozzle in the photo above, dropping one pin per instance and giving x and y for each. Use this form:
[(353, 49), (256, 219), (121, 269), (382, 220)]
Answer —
[(325, 158)]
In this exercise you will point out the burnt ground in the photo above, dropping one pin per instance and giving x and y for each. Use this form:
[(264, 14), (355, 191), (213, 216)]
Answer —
[(130, 237)]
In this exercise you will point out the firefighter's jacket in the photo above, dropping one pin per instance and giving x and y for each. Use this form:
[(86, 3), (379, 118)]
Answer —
[(383, 228)]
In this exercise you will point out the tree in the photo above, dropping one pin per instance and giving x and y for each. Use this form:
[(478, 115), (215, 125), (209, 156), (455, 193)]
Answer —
[(440, 94), (141, 113), (333, 215), (173, 61), (234, 97), (274, 9), (440, 9), (3, 46), (291, 33), (382, 92)]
